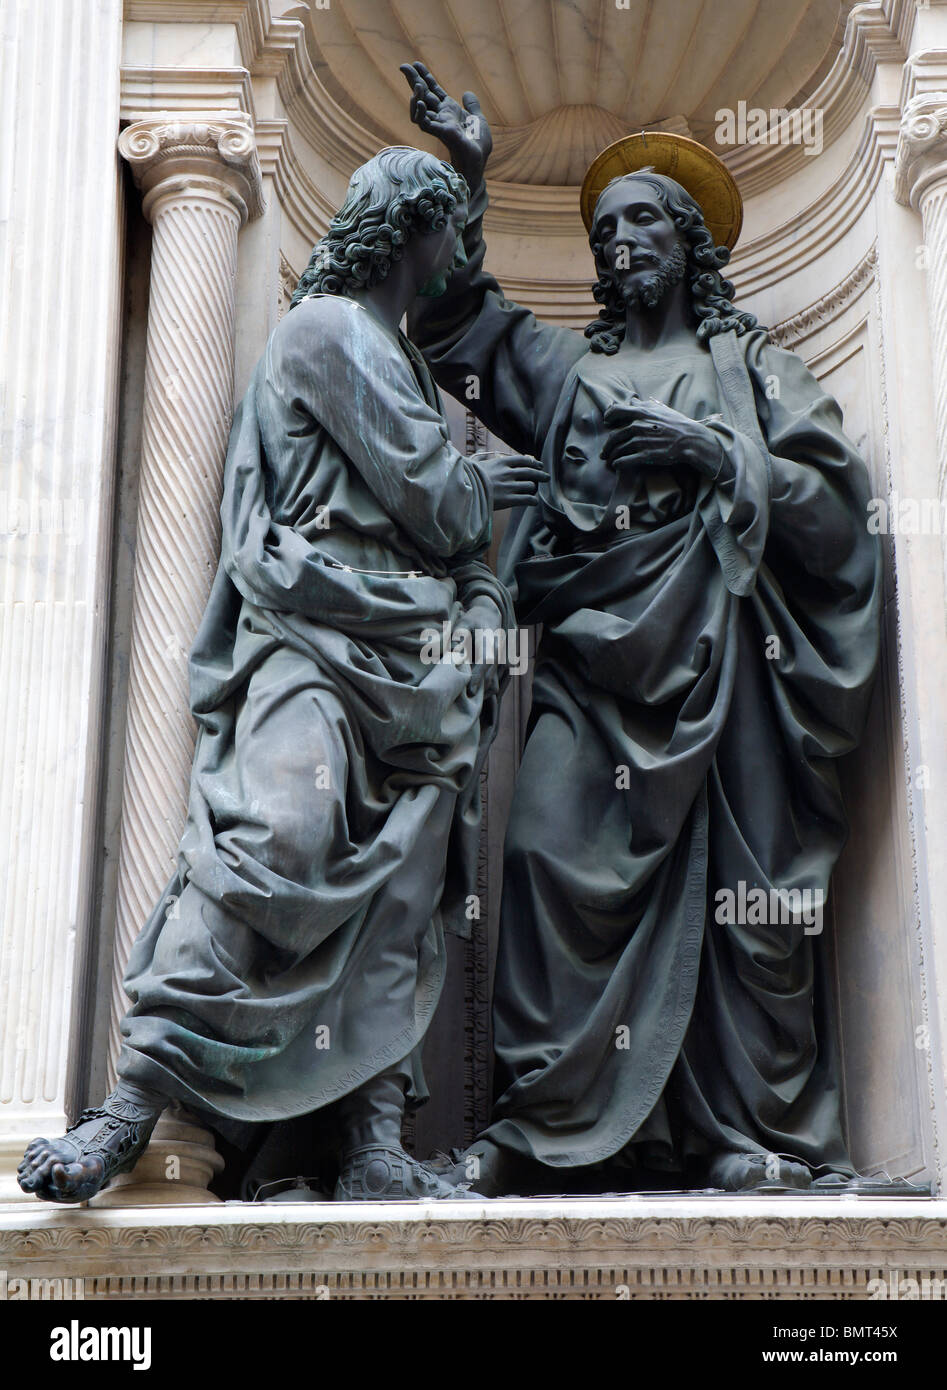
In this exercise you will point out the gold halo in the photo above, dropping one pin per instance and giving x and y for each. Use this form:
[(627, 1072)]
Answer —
[(705, 177)]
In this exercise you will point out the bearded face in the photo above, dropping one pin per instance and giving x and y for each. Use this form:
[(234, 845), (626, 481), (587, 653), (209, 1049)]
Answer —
[(639, 248), (646, 290)]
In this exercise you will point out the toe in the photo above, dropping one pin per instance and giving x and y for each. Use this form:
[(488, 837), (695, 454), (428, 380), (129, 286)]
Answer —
[(65, 1179), (68, 1176), (78, 1181)]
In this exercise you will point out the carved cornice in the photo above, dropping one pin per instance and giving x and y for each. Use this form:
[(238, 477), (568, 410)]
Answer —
[(264, 39), (921, 159), (712, 1235), (324, 135), (924, 72), (510, 1249), (189, 149), (815, 316), (163, 91)]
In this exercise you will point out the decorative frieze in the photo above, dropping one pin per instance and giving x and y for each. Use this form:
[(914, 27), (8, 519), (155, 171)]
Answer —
[(604, 1248), (796, 329)]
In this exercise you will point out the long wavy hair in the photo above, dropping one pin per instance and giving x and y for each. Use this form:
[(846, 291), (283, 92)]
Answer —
[(399, 192), (711, 296)]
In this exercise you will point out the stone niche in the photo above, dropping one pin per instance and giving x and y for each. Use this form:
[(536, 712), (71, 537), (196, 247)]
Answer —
[(830, 257)]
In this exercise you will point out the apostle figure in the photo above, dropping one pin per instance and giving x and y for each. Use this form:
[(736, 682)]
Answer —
[(709, 597), (297, 955)]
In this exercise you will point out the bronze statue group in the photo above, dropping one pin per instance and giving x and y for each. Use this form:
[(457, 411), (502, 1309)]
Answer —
[(693, 544)]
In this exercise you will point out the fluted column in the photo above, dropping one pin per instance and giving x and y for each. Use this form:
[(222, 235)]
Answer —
[(200, 180), (921, 183), (61, 237)]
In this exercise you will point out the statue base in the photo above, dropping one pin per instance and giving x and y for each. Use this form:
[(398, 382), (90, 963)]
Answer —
[(174, 1170), (613, 1248)]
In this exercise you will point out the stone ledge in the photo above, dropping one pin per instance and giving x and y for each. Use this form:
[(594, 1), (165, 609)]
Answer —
[(575, 1248)]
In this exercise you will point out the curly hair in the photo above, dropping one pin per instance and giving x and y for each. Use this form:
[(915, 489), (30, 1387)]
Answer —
[(401, 191), (711, 296)]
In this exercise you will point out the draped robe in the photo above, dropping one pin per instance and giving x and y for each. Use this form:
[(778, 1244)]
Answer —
[(298, 950), (674, 749)]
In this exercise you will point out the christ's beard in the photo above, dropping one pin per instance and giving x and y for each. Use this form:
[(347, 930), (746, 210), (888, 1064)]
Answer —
[(650, 291)]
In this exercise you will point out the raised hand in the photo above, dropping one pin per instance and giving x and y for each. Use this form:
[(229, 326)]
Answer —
[(648, 432), (462, 129)]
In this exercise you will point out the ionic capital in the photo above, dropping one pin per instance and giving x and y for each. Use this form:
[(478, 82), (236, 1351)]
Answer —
[(921, 159), (181, 151)]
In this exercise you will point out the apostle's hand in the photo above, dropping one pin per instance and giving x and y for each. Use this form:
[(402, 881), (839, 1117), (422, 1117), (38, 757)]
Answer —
[(462, 129), (649, 433), (515, 478)]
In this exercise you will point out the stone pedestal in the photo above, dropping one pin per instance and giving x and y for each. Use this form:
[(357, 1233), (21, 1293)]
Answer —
[(174, 1170)]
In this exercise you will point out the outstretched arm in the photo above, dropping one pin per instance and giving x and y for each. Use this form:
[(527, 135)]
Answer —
[(491, 354)]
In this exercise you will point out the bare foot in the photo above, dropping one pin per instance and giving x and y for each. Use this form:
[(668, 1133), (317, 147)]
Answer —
[(103, 1142)]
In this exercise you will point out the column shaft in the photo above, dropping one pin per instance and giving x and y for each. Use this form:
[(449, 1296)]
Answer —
[(188, 405), (61, 240), (933, 207), (201, 180), (921, 183)]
